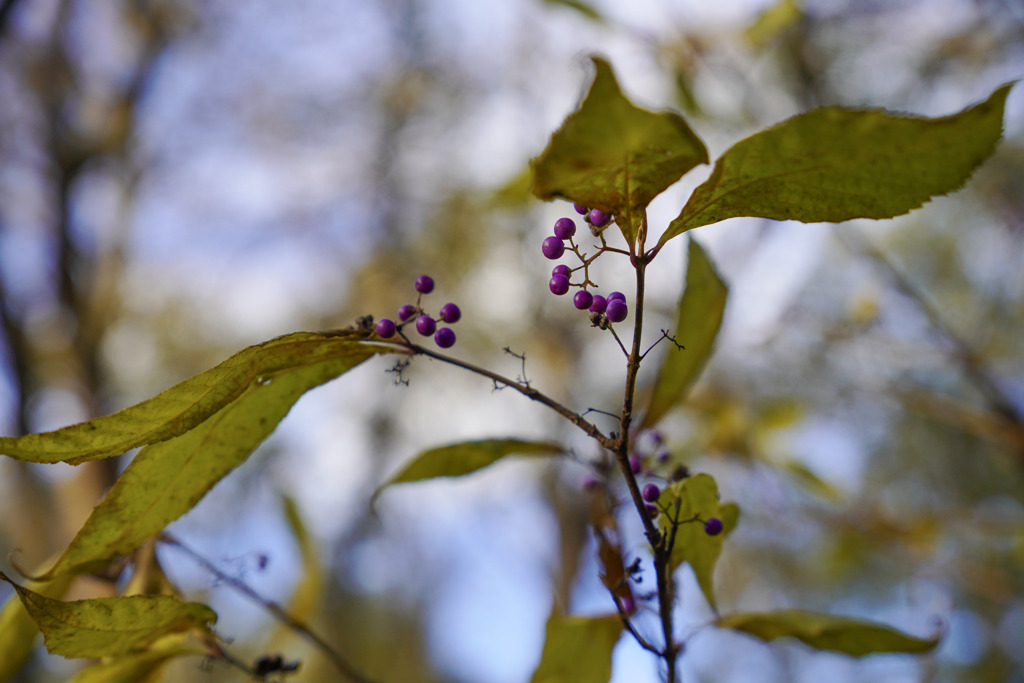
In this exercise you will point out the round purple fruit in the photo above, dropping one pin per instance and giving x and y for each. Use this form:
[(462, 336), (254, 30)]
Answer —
[(406, 312), (450, 313), (559, 285), (425, 325), (424, 284), (386, 328), (713, 526), (599, 218), (564, 228), (616, 310), (444, 337), (583, 300), (651, 493), (553, 248)]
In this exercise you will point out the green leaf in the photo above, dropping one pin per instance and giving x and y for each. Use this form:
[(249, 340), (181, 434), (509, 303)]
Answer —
[(849, 636), (698, 319), (834, 164), (17, 630), (578, 649), (464, 458), (612, 155), (140, 667), (698, 498), (108, 627), (167, 479), (183, 406)]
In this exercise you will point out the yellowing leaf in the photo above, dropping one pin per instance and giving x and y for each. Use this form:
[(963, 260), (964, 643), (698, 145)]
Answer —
[(698, 319), (855, 637), (140, 667), (183, 406), (307, 595), (108, 627), (17, 630), (612, 155), (464, 458), (166, 479), (578, 649), (698, 497), (834, 164)]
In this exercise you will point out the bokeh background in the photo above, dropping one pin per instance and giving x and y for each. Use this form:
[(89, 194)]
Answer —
[(182, 178)]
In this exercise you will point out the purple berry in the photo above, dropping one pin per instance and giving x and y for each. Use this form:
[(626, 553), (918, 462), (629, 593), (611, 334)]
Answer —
[(663, 455), (652, 510), (599, 304), (386, 328), (651, 493), (559, 285), (599, 218), (582, 300), (635, 464), (406, 312), (561, 269), (564, 228), (450, 313), (425, 325), (616, 310), (617, 295), (444, 337), (713, 526), (553, 248), (580, 209), (424, 284)]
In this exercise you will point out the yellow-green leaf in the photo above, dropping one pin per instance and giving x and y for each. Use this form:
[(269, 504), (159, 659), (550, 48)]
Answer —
[(834, 164), (145, 666), (698, 498), (183, 406), (612, 155), (698, 319), (17, 630), (578, 649), (464, 458), (855, 637), (108, 627), (166, 479)]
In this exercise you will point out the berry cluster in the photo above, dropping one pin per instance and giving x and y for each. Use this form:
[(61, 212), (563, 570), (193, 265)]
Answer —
[(425, 324), (650, 446), (612, 308)]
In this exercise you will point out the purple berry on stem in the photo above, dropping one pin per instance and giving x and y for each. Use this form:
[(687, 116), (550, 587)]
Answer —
[(386, 328), (599, 218), (635, 464), (406, 312), (564, 228), (599, 304), (425, 325), (450, 313), (651, 493), (713, 526), (616, 310), (617, 295), (580, 209), (583, 300), (553, 248), (559, 285), (652, 510), (444, 337), (561, 269), (424, 284)]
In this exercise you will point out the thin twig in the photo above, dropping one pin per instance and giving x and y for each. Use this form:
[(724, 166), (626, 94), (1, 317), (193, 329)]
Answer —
[(339, 662)]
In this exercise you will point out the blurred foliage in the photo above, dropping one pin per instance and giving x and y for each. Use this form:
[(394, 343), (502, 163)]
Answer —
[(180, 179)]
